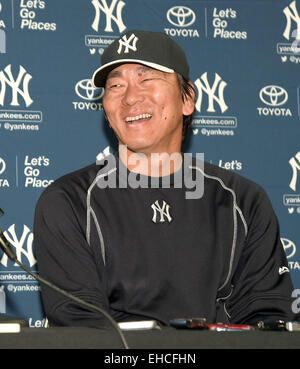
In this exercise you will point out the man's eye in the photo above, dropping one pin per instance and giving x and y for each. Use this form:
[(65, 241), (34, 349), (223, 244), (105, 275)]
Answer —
[(115, 85)]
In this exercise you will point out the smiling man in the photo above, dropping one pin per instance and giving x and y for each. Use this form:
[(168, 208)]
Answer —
[(145, 100), (151, 251), (145, 108)]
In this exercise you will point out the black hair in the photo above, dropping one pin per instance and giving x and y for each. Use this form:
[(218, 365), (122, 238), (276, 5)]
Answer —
[(186, 90)]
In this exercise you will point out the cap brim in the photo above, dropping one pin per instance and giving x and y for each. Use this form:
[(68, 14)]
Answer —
[(100, 75)]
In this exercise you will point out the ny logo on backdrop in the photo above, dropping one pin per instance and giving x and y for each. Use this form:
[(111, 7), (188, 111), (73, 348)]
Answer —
[(117, 6), (295, 164), (7, 79), (215, 93), (19, 244), (291, 13)]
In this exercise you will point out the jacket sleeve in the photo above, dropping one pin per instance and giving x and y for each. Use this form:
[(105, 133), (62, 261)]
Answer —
[(261, 284), (65, 258)]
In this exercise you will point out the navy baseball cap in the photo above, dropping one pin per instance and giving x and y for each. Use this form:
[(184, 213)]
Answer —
[(153, 49)]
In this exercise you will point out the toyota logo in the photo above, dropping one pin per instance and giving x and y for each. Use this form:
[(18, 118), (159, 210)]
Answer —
[(289, 247), (87, 91), (2, 166), (181, 16), (273, 95)]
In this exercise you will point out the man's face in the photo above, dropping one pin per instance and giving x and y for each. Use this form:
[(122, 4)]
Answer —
[(144, 108)]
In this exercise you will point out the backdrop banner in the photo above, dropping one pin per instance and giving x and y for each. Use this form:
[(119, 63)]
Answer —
[(245, 65)]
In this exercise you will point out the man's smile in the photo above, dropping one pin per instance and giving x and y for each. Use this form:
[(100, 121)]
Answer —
[(133, 119)]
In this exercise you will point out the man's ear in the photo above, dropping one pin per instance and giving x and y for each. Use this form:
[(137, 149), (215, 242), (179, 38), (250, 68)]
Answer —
[(189, 101)]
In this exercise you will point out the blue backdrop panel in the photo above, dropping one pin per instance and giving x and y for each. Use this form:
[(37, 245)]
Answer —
[(244, 58)]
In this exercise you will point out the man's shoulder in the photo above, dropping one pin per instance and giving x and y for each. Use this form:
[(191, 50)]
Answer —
[(250, 197), (232, 180), (78, 181), (80, 177)]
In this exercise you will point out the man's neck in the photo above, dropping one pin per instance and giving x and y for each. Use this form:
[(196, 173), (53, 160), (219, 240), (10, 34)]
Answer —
[(151, 164)]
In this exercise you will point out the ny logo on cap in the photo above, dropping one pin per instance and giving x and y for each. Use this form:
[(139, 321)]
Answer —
[(129, 43)]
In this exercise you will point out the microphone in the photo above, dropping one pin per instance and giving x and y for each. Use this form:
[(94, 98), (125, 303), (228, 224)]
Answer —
[(8, 250)]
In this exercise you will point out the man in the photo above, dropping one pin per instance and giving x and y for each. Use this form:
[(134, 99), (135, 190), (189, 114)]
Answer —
[(130, 236)]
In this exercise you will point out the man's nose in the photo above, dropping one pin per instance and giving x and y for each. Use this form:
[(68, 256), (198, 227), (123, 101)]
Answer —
[(132, 95)]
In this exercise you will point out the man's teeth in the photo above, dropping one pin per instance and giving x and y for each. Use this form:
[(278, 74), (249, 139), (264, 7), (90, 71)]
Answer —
[(138, 117)]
